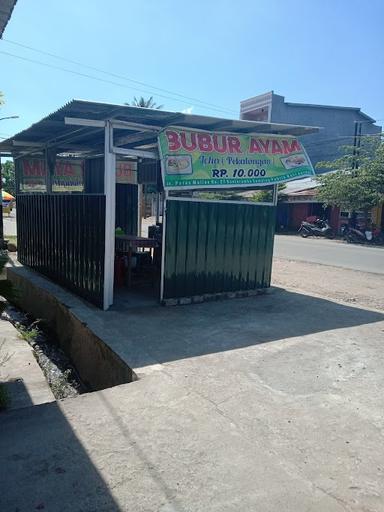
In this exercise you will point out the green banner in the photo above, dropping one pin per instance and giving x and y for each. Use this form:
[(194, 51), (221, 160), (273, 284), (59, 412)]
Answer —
[(192, 159)]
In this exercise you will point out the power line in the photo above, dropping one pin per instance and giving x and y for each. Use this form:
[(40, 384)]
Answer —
[(123, 77), (337, 138)]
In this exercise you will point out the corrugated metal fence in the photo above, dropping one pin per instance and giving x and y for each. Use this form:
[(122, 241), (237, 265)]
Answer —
[(126, 208), (217, 247), (62, 236)]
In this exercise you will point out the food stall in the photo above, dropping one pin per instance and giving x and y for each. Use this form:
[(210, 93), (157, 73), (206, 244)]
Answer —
[(80, 220)]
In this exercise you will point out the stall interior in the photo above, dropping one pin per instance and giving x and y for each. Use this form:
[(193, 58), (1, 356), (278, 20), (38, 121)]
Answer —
[(138, 234)]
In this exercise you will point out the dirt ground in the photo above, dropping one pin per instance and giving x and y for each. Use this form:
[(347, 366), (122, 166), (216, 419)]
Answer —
[(350, 286)]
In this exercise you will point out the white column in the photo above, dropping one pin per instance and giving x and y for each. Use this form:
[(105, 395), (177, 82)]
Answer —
[(275, 195), (110, 213)]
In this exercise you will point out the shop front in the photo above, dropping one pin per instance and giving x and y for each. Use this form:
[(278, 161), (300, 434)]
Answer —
[(84, 175)]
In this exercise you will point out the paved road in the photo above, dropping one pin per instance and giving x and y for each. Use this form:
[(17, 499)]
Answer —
[(9, 223), (330, 252)]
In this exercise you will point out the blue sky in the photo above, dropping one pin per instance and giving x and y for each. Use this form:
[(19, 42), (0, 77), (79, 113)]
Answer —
[(217, 51)]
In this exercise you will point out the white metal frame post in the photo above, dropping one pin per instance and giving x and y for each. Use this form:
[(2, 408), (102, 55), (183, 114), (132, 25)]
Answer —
[(110, 214), (275, 194)]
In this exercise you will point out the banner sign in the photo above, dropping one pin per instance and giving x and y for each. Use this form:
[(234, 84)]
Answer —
[(68, 176), (192, 159), (126, 172)]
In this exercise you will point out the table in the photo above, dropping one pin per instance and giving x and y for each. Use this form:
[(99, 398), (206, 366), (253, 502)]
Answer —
[(127, 243)]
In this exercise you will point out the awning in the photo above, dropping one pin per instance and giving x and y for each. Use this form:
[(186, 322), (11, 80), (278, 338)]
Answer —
[(53, 132)]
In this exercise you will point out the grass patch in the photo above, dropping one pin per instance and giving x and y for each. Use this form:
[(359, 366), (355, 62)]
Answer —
[(28, 335)]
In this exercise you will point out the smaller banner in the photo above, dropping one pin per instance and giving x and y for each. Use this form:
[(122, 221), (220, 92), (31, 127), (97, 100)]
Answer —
[(68, 176), (191, 159), (126, 172)]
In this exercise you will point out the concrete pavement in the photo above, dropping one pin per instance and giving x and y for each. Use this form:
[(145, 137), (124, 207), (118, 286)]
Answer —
[(19, 370), (272, 403), (330, 252)]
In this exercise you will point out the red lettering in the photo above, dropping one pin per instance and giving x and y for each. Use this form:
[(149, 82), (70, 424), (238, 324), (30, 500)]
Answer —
[(290, 147), (188, 145), (264, 145), (234, 145), (34, 167), (276, 148), (173, 140), (216, 146), (204, 142), (254, 147)]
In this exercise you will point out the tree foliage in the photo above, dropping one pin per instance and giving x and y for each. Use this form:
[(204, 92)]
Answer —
[(8, 175), (144, 103), (358, 184)]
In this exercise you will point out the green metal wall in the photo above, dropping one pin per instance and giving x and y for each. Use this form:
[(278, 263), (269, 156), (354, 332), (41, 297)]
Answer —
[(217, 247)]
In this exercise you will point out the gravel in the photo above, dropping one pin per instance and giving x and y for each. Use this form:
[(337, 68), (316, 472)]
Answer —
[(363, 289)]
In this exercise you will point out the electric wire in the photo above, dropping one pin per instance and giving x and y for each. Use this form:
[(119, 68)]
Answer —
[(121, 77)]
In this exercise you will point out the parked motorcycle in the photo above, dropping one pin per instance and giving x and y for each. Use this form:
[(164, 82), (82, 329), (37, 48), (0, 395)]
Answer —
[(318, 228), (362, 236)]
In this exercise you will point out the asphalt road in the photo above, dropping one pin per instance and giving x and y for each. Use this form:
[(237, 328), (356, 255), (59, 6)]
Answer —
[(330, 252), (313, 250)]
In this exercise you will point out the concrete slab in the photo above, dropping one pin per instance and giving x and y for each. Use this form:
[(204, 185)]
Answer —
[(25, 381), (268, 403)]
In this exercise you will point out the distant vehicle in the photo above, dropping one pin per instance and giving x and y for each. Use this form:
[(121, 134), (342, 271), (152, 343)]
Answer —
[(319, 227), (359, 235)]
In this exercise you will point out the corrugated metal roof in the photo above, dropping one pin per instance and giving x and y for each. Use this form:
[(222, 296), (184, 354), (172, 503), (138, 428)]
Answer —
[(331, 107), (6, 8), (54, 132)]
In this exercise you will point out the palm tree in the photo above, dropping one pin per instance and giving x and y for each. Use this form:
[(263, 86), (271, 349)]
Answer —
[(142, 102)]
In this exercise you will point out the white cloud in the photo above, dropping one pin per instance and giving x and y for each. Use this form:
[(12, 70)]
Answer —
[(187, 110)]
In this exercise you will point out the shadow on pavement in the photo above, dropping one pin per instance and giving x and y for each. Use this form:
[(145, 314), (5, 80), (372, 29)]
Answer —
[(144, 336), (45, 467)]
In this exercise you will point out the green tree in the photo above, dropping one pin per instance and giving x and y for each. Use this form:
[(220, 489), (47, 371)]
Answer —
[(358, 182), (8, 175), (144, 103)]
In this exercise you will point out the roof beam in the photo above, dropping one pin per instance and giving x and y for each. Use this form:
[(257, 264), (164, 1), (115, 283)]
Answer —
[(135, 137), (135, 152), (78, 121), (125, 125)]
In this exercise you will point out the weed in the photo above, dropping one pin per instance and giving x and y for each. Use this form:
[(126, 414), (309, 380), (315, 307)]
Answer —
[(28, 335)]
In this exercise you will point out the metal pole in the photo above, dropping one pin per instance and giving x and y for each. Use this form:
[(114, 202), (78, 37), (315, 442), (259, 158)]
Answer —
[(354, 147), (275, 195), (358, 145), (163, 241), (157, 207), (110, 215)]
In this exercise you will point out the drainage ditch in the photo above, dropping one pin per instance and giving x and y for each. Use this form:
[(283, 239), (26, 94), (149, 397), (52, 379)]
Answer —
[(60, 373)]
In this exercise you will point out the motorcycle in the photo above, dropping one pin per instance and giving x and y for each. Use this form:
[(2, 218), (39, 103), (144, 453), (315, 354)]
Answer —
[(318, 228), (359, 235)]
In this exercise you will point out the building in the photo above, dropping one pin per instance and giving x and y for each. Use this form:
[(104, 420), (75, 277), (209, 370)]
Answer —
[(299, 200), (338, 125)]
